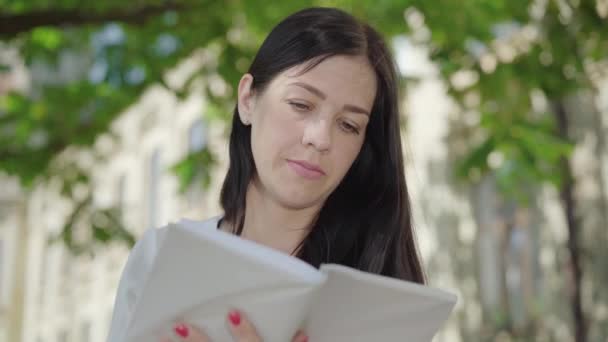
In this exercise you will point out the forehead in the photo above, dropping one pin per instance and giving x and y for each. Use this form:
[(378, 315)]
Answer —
[(344, 79)]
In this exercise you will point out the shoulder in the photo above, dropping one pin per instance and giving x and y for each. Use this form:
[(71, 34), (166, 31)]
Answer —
[(151, 240), (210, 223), (144, 252)]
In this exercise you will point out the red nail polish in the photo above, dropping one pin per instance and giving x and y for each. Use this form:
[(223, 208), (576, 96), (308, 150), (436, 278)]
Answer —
[(182, 330), (234, 317), (305, 338)]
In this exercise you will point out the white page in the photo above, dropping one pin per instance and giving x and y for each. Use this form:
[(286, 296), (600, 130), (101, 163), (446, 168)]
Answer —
[(200, 274), (357, 306)]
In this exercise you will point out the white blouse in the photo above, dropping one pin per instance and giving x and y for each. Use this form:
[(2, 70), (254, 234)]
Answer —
[(134, 276)]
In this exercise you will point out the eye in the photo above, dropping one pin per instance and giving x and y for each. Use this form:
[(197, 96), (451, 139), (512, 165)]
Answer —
[(349, 128), (300, 107)]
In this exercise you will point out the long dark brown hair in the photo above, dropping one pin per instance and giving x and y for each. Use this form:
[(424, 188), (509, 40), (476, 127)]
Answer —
[(366, 222)]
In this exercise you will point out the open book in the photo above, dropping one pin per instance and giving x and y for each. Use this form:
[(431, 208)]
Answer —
[(200, 274)]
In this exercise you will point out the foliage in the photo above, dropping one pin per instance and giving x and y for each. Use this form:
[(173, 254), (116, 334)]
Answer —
[(91, 60)]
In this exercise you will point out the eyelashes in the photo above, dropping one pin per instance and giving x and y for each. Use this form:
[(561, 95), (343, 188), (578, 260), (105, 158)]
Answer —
[(301, 107), (306, 108), (349, 128)]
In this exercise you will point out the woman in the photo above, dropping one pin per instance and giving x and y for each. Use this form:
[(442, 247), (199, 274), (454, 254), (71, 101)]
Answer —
[(316, 167)]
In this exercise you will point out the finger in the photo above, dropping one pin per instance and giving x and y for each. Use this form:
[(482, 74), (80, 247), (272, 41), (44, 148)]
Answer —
[(187, 333), (241, 328), (300, 337)]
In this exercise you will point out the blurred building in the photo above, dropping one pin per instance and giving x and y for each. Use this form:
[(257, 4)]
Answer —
[(12, 238), (508, 260), (496, 255), (48, 294)]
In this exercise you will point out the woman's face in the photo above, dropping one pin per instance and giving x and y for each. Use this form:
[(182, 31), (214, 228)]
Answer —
[(308, 128)]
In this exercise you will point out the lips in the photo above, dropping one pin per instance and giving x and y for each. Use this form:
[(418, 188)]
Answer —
[(306, 169)]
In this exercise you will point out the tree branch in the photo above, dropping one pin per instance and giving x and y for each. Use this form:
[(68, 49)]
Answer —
[(574, 228), (13, 24)]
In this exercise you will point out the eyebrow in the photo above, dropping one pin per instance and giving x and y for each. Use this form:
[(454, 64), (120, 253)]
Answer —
[(319, 93)]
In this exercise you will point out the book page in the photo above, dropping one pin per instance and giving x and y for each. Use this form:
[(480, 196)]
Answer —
[(200, 274), (358, 306)]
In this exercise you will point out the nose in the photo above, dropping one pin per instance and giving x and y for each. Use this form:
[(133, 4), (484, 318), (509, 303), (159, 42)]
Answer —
[(318, 134)]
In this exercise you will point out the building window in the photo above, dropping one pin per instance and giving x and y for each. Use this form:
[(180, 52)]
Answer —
[(514, 274), (197, 136), (44, 267), (65, 271), (62, 336), (1, 272), (121, 194), (109, 317), (153, 192), (85, 331), (197, 141), (489, 276)]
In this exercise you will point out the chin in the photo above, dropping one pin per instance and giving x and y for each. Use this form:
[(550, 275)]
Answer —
[(299, 201)]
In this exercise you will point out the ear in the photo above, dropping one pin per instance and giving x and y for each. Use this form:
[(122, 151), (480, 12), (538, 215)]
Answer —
[(246, 99)]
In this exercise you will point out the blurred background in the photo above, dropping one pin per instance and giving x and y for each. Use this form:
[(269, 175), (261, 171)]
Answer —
[(114, 119)]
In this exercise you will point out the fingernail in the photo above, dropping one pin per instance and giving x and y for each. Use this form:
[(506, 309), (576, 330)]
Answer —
[(305, 338), (182, 330), (234, 317)]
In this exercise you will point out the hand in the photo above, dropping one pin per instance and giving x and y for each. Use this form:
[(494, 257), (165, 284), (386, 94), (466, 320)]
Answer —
[(240, 327)]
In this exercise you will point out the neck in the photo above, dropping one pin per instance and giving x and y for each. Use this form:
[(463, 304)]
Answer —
[(269, 223)]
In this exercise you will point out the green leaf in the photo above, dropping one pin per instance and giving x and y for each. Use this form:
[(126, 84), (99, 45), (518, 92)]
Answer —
[(49, 38), (476, 158)]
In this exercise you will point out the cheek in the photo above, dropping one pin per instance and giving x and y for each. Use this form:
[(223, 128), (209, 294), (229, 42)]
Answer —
[(273, 134), (345, 155)]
